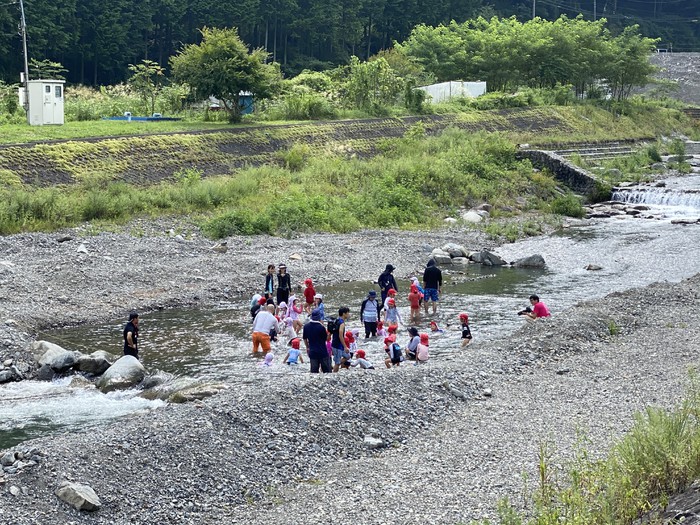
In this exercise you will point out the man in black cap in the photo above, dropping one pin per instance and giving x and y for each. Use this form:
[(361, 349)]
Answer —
[(131, 335), (386, 281), (315, 336)]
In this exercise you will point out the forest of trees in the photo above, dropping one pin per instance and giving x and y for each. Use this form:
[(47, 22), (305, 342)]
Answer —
[(96, 40)]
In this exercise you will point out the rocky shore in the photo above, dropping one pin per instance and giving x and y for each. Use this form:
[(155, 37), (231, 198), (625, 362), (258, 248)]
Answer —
[(434, 444)]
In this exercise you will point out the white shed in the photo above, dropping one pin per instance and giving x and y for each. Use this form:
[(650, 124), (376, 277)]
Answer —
[(458, 88), (46, 102)]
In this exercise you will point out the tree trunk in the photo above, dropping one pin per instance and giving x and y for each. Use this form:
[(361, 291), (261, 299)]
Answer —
[(369, 36)]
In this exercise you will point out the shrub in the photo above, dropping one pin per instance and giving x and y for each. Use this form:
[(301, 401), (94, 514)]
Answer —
[(237, 222), (569, 205)]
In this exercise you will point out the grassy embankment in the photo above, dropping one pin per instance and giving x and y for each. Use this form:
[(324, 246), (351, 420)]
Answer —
[(290, 178), (658, 458)]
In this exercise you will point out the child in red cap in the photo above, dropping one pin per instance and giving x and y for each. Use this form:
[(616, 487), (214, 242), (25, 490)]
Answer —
[(466, 332), (309, 293), (391, 294), (393, 350), (414, 298), (381, 331), (391, 314), (293, 356), (361, 360), (422, 350)]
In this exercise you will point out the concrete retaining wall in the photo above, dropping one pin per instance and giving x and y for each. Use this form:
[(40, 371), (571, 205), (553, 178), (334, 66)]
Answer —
[(578, 179)]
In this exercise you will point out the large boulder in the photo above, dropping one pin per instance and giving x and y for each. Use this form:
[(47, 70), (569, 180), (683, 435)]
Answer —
[(455, 250), (441, 257), (80, 496), (96, 363), (125, 373), (487, 258), (533, 261), (58, 358), (6, 376), (472, 216)]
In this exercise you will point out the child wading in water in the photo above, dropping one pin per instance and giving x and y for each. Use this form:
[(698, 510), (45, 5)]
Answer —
[(466, 332), (414, 299), (309, 293), (294, 313), (392, 315), (422, 350), (318, 305), (293, 356), (381, 331)]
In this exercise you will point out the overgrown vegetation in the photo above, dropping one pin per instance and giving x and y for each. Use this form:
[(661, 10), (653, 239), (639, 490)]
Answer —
[(657, 458), (414, 182)]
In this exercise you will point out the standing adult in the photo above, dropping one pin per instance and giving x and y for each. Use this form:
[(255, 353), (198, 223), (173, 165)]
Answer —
[(341, 353), (387, 282), (315, 336), (369, 314), (263, 324), (432, 285), (131, 335), (269, 281), (284, 284)]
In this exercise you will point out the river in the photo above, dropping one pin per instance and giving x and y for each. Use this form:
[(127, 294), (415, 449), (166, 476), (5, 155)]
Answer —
[(213, 344)]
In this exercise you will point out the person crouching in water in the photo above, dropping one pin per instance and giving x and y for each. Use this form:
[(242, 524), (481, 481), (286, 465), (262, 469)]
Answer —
[(369, 314), (422, 355), (361, 360), (293, 356), (412, 346), (466, 332), (393, 349)]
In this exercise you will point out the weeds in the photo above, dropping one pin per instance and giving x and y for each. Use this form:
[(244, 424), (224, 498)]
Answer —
[(657, 458)]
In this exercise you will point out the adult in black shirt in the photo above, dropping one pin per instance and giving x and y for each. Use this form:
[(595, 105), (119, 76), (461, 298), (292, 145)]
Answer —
[(131, 336), (284, 284), (432, 284), (315, 336), (386, 281)]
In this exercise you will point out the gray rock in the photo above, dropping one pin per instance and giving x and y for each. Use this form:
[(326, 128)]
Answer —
[(14, 490), (6, 376), (455, 250), (658, 167), (373, 442), (82, 249), (533, 261), (7, 362), (484, 207), (472, 216), (441, 257), (58, 358), (487, 258), (45, 373), (593, 267), (8, 459), (125, 373), (96, 363), (80, 496), (460, 260), (449, 220)]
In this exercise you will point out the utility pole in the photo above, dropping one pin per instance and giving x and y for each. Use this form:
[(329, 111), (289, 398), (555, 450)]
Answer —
[(533, 9), (23, 28), (595, 10)]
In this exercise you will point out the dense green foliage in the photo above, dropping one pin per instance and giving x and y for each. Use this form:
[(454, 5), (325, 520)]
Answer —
[(657, 458), (222, 66), (508, 54), (97, 40), (415, 182)]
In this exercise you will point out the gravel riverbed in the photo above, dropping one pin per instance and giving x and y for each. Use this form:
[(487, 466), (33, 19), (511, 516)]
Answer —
[(440, 443)]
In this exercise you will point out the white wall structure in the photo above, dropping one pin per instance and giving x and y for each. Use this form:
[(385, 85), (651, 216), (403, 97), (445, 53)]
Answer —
[(46, 102), (447, 90)]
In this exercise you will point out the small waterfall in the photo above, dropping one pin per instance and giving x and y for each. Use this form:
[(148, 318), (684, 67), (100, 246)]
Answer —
[(658, 197)]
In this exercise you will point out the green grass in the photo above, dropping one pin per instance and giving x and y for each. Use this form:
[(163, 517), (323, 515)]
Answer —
[(414, 183), (657, 458)]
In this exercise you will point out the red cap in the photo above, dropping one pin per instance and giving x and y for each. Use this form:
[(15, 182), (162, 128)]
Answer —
[(391, 291), (464, 316), (308, 282), (380, 324), (391, 302), (424, 339), (296, 342), (262, 301), (393, 328), (388, 341), (360, 354)]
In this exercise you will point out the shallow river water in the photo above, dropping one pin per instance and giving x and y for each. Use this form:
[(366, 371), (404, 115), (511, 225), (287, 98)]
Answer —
[(213, 344)]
